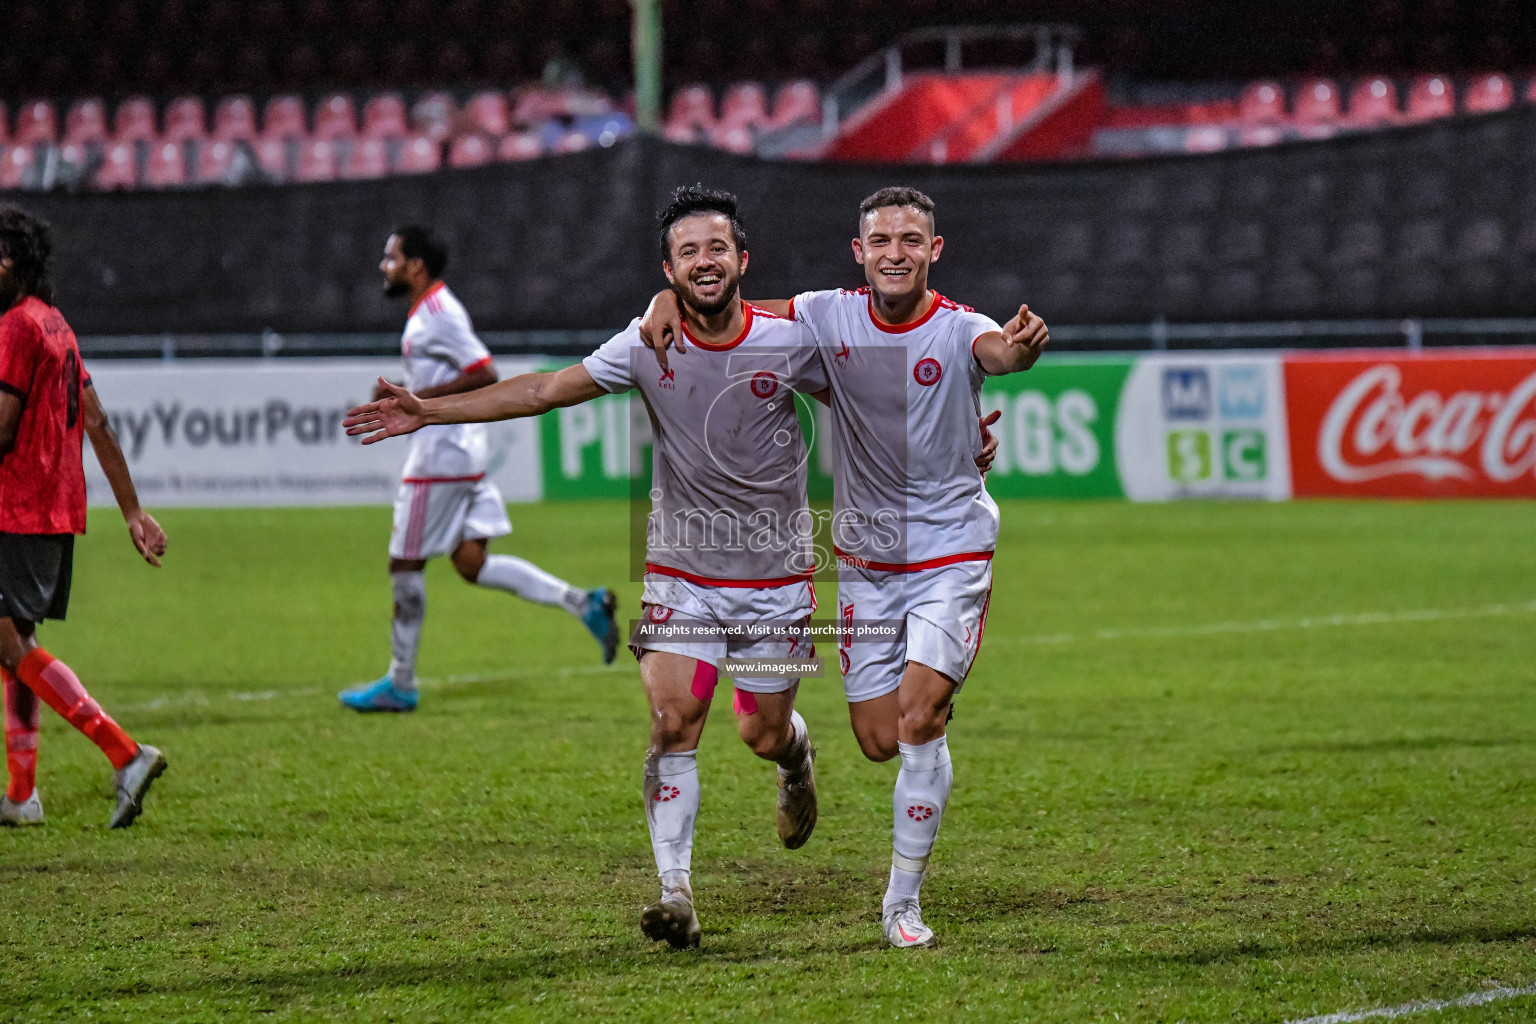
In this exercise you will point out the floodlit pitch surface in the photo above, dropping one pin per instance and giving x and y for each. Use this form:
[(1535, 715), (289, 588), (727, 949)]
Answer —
[(1293, 776)]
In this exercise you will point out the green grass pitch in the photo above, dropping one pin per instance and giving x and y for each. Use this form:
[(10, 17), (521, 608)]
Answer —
[(1183, 792)]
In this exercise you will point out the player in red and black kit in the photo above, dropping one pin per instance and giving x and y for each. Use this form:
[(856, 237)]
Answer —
[(46, 402)]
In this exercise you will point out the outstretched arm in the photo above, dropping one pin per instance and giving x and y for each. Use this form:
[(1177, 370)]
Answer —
[(147, 537), (1015, 348), (528, 395)]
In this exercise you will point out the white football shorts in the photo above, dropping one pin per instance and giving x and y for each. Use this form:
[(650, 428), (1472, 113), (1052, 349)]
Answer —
[(432, 517), (934, 617), (710, 624)]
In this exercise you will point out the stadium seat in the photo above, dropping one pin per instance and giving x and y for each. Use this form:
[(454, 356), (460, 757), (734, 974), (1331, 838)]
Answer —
[(520, 146), (570, 142), (486, 112), (1317, 102), (285, 118), (1262, 103), (682, 133), (1431, 96), (317, 161), (167, 165), (136, 120), (235, 119), (119, 167), (35, 122), (419, 155), (272, 155), (745, 104), (469, 151), (384, 117), (432, 116), (72, 154), (184, 120), (1488, 93), (369, 159), (733, 138), (214, 157), (692, 104), (86, 122), (1205, 139), (1373, 102), (796, 101), (15, 162), (335, 117)]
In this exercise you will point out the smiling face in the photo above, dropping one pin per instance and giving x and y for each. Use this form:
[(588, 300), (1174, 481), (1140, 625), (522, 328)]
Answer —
[(706, 266), (896, 244)]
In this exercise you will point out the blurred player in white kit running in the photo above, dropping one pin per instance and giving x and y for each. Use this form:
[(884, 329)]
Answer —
[(914, 527), (445, 506)]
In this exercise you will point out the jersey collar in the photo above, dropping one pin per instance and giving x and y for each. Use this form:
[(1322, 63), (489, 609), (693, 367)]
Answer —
[(746, 328), (933, 307), (437, 286)]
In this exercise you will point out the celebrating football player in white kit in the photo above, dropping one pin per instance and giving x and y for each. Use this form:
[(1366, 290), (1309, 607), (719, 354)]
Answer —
[(445, 506), (728, 549), (913, 525)]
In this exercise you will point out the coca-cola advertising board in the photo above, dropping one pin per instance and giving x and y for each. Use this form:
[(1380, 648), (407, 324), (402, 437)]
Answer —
[(1436, 425)]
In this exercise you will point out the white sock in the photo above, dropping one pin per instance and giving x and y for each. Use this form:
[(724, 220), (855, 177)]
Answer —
[(405, 631), (671, 806), (526, 580), (922, 790), (799, 751)]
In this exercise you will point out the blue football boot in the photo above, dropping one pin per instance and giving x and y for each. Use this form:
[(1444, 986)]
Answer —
[(599, 619), (378, 696)]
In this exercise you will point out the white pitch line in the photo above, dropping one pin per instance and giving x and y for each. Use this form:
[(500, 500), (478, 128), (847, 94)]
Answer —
[(1492, 995), (1272, 625)]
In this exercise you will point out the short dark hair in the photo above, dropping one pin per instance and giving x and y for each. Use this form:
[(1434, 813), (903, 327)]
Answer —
[(688, 200), (418, 242), (28, 243), (898, 195)]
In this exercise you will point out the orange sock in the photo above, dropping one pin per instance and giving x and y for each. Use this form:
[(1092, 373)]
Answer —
[(60, 689), (21, 710)]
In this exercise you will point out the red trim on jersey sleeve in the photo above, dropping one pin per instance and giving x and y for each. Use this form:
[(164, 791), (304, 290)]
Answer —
[(933, 307), (435, 307), (760, 311), (442, 479), (746, 329), (931, 563), (472, 367), (792, 309), (711, 581)]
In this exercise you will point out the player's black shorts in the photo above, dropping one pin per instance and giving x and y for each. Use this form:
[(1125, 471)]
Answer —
[(35, 573)]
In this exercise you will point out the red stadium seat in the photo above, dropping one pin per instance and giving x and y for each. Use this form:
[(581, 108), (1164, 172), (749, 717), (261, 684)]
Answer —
[(369, 159), (1205, 139), (419, 155), (285, 118), (214, 157), (136, 120), (14, 165), (1373, 101), (745, 104), (520, 146), (167, 165), (486, 112), (119, 167), (317, 161), (796, 101), (234, 118), (682, 133), (272, 155), (1431, 96), (384, 117), (693, 104), (571, 142), (1262, 103), (86, 122), (184, 120), (36, 122), (335, 117), (1488, 93), (469, 151), (733, 138), (432, 116), (1317, 102), (72, 154)]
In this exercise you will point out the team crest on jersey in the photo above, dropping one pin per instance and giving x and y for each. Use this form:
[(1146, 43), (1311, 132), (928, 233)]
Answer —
[(668, 379), (927, 372), (764, 384)]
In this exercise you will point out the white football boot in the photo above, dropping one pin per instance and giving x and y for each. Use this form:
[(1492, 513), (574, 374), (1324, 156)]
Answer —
[(131, 782), (904, 926), (671, 919), (28, 812)]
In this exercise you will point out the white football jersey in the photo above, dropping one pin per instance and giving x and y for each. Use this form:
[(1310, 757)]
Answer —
[(728, 464), (905, 403), (440, 345)]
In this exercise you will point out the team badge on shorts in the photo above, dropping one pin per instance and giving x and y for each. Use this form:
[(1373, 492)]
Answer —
[(658, 613), (764, 384), (927, 372)]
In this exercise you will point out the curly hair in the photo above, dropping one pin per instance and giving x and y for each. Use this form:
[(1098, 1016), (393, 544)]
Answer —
[(688, 200), (28, 243)]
